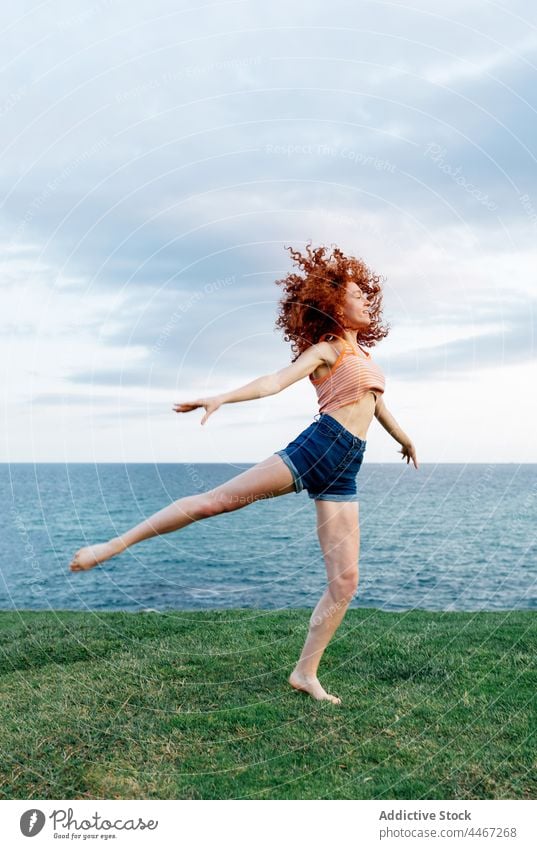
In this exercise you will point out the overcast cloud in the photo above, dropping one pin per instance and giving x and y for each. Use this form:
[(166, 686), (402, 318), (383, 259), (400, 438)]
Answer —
[(156, 159)]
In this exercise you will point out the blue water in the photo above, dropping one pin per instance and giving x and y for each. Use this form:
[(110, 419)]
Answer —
[(445, 537)]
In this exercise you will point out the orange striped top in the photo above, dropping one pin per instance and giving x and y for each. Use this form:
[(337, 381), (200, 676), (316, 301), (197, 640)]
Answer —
[(353, 374)]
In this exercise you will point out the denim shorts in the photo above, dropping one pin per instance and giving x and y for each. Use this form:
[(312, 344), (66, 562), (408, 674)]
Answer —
[(325, 459)]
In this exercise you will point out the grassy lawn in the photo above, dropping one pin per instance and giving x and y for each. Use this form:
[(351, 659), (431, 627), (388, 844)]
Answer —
[(195, 705)]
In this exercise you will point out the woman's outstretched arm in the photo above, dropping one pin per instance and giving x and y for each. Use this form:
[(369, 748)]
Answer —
[(388, 422), (267, 384)]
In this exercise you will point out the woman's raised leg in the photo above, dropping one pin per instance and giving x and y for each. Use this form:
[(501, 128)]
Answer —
[(267, 479), (338, 529)]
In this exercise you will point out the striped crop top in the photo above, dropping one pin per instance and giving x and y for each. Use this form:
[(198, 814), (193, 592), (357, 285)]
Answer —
[(353, 374)]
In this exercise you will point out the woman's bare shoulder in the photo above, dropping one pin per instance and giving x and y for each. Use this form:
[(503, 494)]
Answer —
[(329, 351)]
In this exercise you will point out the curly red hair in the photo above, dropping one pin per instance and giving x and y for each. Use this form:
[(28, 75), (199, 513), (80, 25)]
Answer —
[(313, 301)]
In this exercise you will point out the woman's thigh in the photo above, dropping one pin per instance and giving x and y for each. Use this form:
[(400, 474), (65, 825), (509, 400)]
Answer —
[(267, 479), (338, 528)]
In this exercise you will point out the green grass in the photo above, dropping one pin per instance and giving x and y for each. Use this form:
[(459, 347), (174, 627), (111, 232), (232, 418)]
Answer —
[(195, 705)]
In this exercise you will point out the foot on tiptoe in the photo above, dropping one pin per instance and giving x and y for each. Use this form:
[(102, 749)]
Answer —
[(310, 684), (89, 556)]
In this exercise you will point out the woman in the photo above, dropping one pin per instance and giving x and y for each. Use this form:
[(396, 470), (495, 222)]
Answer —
[(327, 311)]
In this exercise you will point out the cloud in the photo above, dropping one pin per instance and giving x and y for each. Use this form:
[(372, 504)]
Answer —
[(463, 357), (146, 160), (61, 398), (481, 68)]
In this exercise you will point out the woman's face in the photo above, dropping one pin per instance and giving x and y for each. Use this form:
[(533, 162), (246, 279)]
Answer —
[(356, 307)]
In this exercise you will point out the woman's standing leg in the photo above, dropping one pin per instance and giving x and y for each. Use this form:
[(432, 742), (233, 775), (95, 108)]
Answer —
[(338, 528), (267, 479)]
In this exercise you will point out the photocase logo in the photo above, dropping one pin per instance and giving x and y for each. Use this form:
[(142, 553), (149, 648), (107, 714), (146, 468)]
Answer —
[(32, 822)]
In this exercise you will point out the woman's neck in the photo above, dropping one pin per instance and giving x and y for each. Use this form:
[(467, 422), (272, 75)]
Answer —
[(350, 336)]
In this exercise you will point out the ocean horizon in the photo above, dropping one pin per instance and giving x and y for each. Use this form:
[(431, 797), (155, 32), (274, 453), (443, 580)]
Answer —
[(450, 536)]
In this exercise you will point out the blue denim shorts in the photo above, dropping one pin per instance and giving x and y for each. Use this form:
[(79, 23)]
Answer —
[(325, 459)]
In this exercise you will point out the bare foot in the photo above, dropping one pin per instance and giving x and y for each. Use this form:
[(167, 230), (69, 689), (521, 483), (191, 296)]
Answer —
[(310, 684), (91, 555)]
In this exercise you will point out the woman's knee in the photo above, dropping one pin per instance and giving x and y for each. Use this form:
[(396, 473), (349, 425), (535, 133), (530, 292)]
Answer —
[(343, 586)]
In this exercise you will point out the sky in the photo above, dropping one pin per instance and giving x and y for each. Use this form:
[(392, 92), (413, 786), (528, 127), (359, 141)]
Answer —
[(157, 159)]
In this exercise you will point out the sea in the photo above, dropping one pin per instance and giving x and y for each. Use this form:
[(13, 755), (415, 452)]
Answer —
[(445, 537)]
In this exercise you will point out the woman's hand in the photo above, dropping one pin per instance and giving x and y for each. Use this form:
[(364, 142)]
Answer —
[(408, 450), (210, 404)]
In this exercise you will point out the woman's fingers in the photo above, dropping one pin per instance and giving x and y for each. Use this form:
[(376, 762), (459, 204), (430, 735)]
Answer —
[(412, 456), (186, 407), (408, 452)]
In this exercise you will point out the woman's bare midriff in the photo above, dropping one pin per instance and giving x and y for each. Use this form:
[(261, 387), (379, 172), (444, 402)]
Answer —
[(357, 416)]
